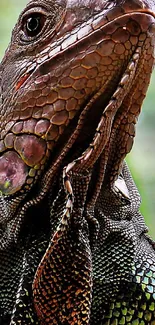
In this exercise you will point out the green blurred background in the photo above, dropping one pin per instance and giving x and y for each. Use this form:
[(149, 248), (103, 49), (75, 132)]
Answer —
[(142, 158)]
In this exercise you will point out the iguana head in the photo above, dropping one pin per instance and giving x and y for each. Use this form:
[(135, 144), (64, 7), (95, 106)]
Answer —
[(73, 80)]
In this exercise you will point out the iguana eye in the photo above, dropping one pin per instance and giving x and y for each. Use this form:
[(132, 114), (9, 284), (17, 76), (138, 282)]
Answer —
[(33, 24)]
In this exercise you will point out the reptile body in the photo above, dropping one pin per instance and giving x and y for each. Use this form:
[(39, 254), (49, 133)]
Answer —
[(74, 247)]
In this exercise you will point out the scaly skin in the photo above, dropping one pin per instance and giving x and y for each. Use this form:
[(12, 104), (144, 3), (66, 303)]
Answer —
[(73, 246)]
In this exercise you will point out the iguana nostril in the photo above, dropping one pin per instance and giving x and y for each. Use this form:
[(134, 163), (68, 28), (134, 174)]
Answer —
[(139, 3), (133, 4)]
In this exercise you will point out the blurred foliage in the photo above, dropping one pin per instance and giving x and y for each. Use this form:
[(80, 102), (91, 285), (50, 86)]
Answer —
[(142, 158)]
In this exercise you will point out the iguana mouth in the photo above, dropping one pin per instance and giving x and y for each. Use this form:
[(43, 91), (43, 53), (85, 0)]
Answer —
[(54, 54)]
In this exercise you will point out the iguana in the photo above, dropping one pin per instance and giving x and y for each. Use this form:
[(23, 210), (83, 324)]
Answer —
[(74, 247)]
